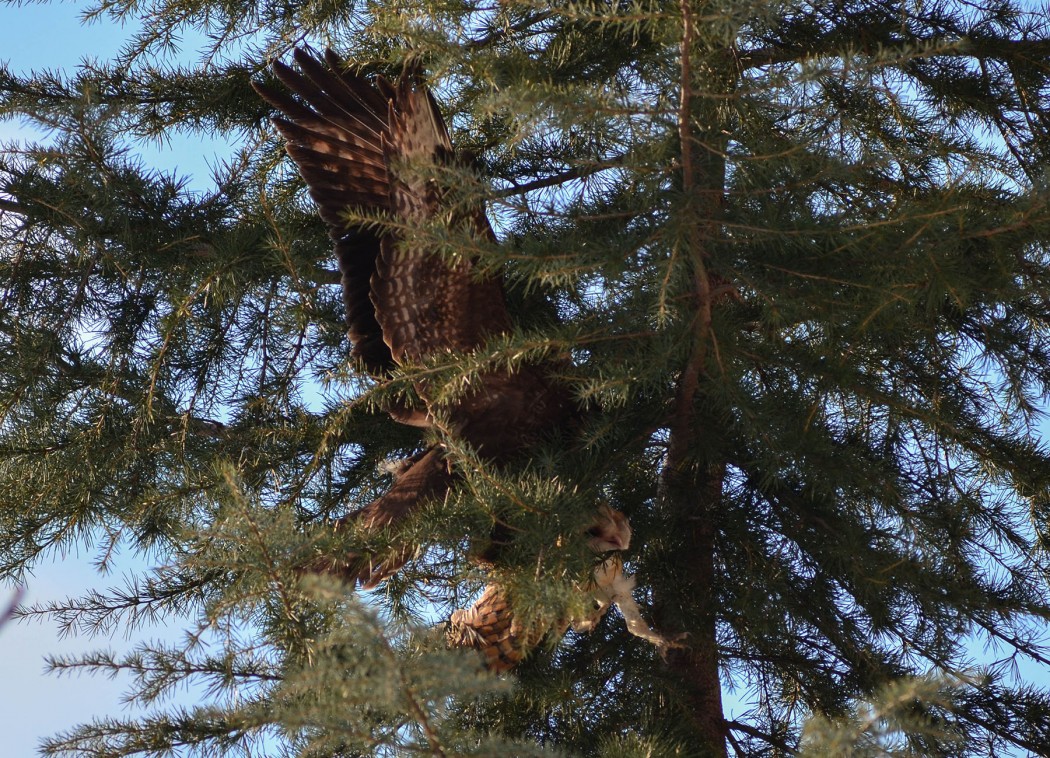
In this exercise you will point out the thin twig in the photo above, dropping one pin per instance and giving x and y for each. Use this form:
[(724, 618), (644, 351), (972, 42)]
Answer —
[(12, 606)]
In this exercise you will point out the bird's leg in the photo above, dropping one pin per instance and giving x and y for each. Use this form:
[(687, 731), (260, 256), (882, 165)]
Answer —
[(618, 587)]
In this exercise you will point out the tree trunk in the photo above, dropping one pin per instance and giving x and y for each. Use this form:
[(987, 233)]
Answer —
[(693, 498), (693, 489)]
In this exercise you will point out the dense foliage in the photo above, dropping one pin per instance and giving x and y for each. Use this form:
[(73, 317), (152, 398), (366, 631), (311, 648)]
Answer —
[(795, 257)]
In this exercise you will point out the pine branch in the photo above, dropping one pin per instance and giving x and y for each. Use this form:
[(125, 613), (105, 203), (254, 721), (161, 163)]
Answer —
[(497, 35), (576, 172), (956, 46)]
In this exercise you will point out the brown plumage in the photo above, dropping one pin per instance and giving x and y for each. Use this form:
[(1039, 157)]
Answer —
[(423, 477), (360, 145), (491, 627)]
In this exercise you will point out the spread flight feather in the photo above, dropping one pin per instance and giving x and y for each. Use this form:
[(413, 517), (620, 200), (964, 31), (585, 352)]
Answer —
[(361, 146)]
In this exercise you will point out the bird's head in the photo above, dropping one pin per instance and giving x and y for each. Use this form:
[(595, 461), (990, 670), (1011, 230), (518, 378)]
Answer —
[(610, 531)]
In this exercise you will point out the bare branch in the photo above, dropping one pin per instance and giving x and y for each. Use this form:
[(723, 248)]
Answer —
[(7, 205), (752, 732)]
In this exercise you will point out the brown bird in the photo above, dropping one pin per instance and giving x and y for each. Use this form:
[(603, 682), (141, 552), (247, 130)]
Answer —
[(362, 145)]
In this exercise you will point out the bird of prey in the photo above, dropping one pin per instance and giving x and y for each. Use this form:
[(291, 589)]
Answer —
[(366, 146), (361, 145)]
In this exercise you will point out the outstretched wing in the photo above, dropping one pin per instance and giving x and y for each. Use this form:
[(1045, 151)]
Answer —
[(423, 477), (334, 131), (359, 146), (372, 149)]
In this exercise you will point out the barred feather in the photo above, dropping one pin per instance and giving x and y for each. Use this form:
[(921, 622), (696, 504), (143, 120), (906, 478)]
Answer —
[(359, 145)]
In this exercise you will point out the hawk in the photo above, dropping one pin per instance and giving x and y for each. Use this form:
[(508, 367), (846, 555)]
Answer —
[(366, 146), (359, 145)]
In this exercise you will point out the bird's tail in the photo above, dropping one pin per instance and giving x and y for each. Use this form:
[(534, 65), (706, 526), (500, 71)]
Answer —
[(489, 626)]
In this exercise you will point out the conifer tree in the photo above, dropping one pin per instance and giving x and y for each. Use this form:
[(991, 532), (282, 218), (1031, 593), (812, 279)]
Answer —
[(795, 255)]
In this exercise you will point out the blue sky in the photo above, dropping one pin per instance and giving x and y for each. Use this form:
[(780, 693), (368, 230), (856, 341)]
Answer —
[(53, 37), (33, 705)]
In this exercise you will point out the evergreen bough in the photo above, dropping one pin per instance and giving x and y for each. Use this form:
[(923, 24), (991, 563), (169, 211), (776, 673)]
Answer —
[(798, 256)]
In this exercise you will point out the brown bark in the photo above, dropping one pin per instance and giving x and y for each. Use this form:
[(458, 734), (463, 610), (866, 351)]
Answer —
[(694, 500), (693, 488)]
